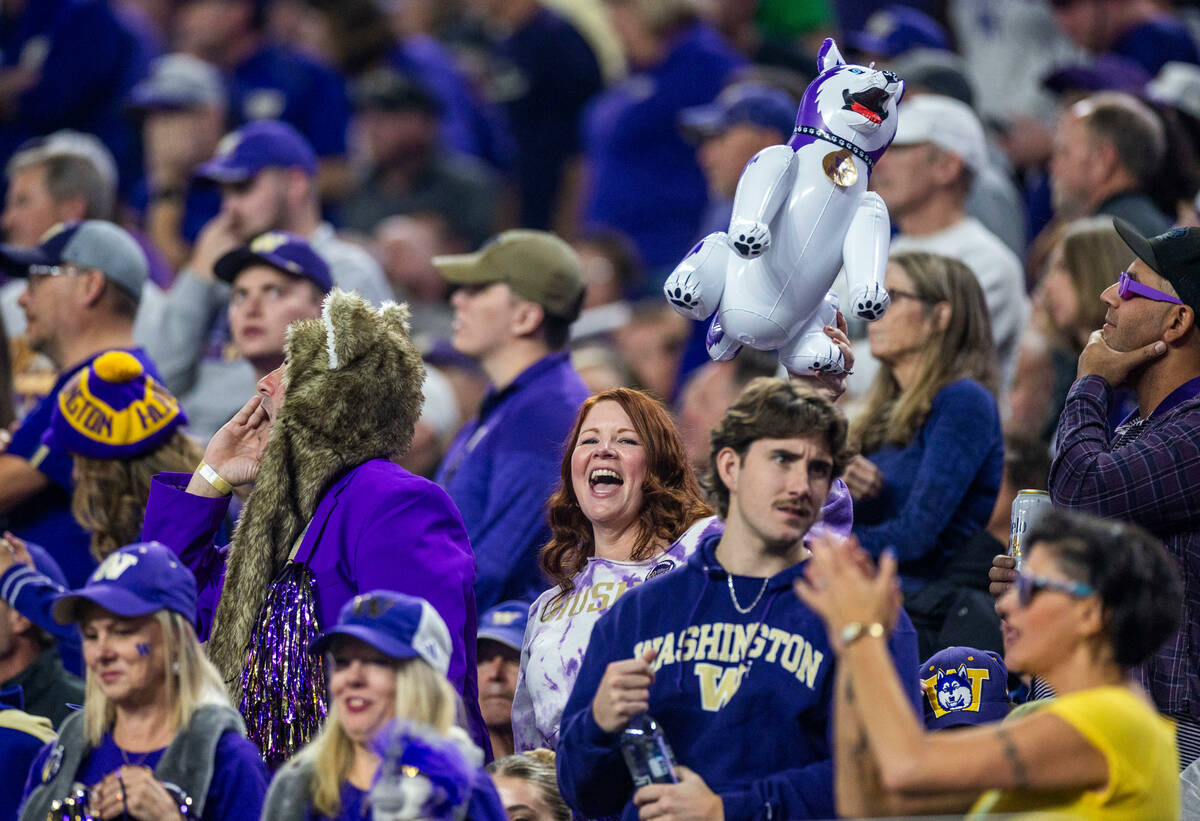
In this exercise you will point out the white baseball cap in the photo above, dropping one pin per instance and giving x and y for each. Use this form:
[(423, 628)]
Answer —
[(947, 123)]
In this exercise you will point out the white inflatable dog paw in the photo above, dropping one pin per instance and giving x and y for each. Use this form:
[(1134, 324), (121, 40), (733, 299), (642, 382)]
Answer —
[(813, 353), (749, 239), (694, 288), (870, 302)]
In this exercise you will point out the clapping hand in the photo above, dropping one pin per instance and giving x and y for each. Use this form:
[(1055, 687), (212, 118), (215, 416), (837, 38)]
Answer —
[(842, 585)]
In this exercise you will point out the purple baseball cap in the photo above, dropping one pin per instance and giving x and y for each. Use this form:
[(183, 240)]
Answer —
[(963, 687), (137, 580), (751, 103), (896, 29), (396, 624), (264, 144), (505, 623), (1108, 72), (289, 253)]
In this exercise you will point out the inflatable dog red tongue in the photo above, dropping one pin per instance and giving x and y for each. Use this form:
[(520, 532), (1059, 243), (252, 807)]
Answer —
[(866, 112)]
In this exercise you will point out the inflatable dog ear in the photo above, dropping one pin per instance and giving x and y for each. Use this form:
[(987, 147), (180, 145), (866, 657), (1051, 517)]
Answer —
[(829, 57), (801, 214)]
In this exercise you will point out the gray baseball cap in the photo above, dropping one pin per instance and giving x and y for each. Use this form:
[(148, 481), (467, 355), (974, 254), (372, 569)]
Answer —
[(88, 244), (177, 82)]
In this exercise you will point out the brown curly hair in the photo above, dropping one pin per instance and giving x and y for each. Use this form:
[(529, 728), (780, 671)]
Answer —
[(671, 497), (110, 495)]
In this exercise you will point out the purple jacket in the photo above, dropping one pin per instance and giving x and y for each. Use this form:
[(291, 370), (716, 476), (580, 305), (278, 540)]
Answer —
[(377, 527)]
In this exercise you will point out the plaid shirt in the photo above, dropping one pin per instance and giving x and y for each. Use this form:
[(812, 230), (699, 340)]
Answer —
[(1148, 473)]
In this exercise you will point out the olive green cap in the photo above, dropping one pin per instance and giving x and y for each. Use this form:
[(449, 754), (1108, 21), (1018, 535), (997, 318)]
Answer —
[(536, 265)]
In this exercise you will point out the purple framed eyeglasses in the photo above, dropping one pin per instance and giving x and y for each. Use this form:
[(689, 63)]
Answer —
[(1128, 288)]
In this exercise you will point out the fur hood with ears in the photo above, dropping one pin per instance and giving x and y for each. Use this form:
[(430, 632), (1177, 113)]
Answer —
[(353, 393)]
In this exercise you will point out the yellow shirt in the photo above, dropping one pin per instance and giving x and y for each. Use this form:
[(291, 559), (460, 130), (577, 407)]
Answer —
[(1137, 743)]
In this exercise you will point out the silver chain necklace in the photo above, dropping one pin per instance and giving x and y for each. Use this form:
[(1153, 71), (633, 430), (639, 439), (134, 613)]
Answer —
[(733, 595)]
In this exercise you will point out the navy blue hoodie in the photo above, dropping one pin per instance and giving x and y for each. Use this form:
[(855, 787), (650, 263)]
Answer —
[(744, 700)]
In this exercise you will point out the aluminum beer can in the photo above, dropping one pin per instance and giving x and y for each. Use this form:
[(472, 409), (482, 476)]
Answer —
[(1027, 508)]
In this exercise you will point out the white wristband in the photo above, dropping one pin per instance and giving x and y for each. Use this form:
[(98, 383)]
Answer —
[(213, 478)]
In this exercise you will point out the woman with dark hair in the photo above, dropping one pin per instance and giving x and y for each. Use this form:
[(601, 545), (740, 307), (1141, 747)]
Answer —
[(1094, 600), (628, 508), (929, 435)]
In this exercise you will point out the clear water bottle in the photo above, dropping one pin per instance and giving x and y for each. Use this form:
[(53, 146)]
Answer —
[(647, 753)]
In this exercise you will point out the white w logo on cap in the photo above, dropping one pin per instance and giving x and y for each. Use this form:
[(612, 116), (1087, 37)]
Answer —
[(114, 566)]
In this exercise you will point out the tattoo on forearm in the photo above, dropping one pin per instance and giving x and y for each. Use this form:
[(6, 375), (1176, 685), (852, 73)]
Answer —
[(1014, 758)]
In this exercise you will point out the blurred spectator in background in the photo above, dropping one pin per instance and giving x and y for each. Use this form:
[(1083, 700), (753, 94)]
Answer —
[(893, 30), (1083, 256), (929, 434), (468, 379), (1144, 31), (83, 286), (513, 309), (501, 631), (709, 392), (1026, 467), (543, 72), (274, 280), (1106, 149), (652, 342), (641, 176), (266, 172), (528, 787), (745, 118), (406, 246), (924, 179), (599, 366), (182, 105), (64, 177), (271, 81), (68, 64), (408, 171), (30, 658), (435, 429), (994, 198), (611, 272)]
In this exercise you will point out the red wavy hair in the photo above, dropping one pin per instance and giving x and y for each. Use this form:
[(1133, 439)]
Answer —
[(671, 497)]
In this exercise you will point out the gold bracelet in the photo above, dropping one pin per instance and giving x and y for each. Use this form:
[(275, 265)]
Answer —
[(855, 630), (213, 478)]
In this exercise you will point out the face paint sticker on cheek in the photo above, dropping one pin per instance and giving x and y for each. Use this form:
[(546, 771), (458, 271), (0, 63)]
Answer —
[(143, 649)]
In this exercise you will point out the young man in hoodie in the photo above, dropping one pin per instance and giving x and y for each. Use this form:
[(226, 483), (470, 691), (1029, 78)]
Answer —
[(737, 671)]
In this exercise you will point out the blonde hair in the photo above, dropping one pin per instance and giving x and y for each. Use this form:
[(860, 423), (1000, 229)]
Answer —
[(1092, 254), (191, 680), (536, 767), (422, 694), (963, 350), (110, 495)]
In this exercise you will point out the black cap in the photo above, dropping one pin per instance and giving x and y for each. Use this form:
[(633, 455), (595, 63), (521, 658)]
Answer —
[(1174, 256), (387, 90)]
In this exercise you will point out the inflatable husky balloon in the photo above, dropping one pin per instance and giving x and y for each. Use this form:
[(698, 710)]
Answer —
[(802, 211)]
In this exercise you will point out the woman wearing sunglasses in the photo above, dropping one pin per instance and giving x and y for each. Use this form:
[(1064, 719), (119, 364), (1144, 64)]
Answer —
[(1094, 600)]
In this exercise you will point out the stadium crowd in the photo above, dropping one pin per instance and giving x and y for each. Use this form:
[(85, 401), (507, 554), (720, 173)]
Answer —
[(353, 463)]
